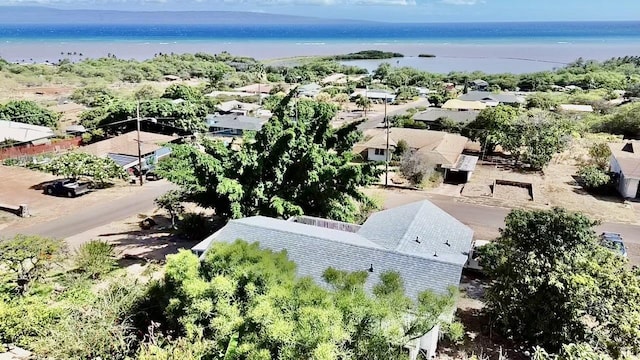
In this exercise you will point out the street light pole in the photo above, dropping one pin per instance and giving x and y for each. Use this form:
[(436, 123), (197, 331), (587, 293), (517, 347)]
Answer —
[(139, 151)]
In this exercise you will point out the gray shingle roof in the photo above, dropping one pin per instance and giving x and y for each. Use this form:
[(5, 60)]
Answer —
[(315, 249), (397, 229), (437, 113), (490, 96), (239, 122), (385, 241)]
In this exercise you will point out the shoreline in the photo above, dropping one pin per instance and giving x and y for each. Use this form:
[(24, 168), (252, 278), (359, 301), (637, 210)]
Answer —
[(492, 57)]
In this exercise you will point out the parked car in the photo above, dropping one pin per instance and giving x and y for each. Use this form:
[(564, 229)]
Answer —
[(473, 262), (67, 187), (152, 175), (614, 242)]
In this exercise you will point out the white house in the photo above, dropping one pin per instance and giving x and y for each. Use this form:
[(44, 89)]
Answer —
[(24, 133), (420, 241), (625, 161)]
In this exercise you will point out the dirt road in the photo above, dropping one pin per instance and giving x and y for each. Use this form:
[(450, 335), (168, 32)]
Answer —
[(96, 215)]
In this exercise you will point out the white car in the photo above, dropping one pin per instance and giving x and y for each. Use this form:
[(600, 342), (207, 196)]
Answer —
[(472, 261)]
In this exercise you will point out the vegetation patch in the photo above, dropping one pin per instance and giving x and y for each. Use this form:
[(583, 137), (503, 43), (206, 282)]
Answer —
[(366, 55)]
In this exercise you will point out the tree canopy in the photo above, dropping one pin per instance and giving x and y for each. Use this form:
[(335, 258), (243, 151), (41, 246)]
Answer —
[(532, 137), (243, 302), (28, 112), (297, 164), (553, 284), (76, 164)]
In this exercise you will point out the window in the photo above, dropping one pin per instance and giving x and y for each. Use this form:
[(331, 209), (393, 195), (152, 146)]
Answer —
[(379, 152)]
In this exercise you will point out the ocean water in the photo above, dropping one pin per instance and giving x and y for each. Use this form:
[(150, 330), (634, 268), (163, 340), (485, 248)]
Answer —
[(490, 47)]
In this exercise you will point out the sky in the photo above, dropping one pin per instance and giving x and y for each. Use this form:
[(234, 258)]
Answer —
[(382, 10)]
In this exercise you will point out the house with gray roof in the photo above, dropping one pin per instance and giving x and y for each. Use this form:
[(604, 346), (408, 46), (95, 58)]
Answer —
[(625, 162), (479, 85), (309, 90), (492, 99), (233, 124), (420, 241), (433, 116), (236, 107)]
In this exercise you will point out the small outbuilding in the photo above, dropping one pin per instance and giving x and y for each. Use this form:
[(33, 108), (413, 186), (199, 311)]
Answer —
[(625, 162)]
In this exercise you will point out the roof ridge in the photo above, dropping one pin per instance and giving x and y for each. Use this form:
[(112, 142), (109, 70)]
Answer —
[(379, 248)]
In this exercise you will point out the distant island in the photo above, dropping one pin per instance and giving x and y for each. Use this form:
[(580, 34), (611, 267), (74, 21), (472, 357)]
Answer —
[(365, 55), (426, 55), (38, 15)]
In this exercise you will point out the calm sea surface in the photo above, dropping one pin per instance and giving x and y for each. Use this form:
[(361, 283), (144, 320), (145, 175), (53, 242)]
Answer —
[(490, 47)]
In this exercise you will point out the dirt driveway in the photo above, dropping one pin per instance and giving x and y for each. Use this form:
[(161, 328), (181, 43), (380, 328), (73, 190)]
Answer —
[(23, 186)]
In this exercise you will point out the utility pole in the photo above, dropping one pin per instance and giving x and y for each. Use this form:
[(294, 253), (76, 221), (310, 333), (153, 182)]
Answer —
[(386, 165), (139, 151)]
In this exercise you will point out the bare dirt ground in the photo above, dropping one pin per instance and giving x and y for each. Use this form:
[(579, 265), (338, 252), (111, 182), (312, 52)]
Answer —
[(24, 186), (130, 240), (556, 186), (480, 340)]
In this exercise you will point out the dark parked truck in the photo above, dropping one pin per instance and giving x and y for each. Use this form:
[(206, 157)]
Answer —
[(67, 187)]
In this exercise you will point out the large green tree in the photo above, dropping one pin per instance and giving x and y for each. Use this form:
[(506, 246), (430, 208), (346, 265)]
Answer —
[(187, 116), (491, 125), (297, 164), (28, 112), (75, 165), (244, 302), (553, 284)]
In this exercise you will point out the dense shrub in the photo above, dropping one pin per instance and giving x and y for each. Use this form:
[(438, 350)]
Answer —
[(593, 177), (95, 258), (194, 226)]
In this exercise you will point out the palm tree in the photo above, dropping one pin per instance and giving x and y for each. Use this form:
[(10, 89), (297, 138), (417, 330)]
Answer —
[(364, 103)]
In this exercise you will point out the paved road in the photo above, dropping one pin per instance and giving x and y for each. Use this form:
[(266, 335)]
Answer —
[(98, 214), (375, 120), (483, 219)]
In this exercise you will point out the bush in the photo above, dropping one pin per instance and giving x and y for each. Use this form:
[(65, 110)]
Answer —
[(194, 226), (11, 162), (102, 329), (415, 168), (24, 319), (453, 332), (96, 258), (593, 177)]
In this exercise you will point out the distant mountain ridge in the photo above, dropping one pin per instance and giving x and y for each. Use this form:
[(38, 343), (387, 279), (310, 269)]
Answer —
[(43, 15)]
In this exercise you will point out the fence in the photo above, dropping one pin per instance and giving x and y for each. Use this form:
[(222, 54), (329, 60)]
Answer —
[(31, 150)]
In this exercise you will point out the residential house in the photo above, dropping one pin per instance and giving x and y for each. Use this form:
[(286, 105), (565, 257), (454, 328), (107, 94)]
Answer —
[(572, 108), (21, 133), (123, 149), (443, 150), (256, 88), (378, 96), (432, 116), (233, 124), (231, 93), (236, 107), (420, 241), (625, 161), (479, 85), (463, 105), (309, 90), (492, 99), (333, 79), (75, 129)]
